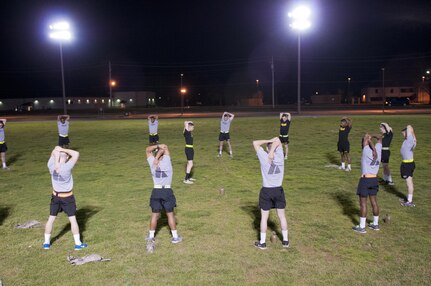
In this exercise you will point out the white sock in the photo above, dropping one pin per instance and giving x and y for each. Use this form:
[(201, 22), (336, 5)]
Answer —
[(376, 220), (174, 233), (343, 165), (410, 198), (77, 239), (151, 233), (362, 221), (262, 237), (285, 235), (385, 178), (389, 178), (230, 152), (4, 165), (349, 166), (47, 238)]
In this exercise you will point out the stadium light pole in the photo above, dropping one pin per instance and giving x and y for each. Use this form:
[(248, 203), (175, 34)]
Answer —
[(60, 31), (182, 92), (300, 22)]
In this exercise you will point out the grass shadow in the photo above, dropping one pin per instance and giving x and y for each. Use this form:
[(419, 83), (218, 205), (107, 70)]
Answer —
[(161, 222), (4, 213), (350, 209), (394, 191), (332, 158), (12, 159), (254, 212), (82, 217)]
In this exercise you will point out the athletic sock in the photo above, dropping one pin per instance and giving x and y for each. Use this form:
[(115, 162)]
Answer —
[(343, 165), (47, 238), (389, 178), (385, 178), (151, 233), (349, 166), (77, 239), (285, 235), (4, 165), (262, 237), (174, 233), (376, 220), (362, 222), (410, 198)]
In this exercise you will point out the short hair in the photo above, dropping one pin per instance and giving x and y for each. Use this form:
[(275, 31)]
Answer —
[(284, 114), (191, 124), (405, 129)]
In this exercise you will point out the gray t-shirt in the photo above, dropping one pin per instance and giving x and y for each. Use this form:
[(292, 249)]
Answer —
[(62, 181), (162, 174), (63, 128), (368, 164), (225, 125), (152, 126), (407, 148), (1, 134), (272, 172)]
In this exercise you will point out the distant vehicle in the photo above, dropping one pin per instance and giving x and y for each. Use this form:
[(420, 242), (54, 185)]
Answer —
[(397, 101)]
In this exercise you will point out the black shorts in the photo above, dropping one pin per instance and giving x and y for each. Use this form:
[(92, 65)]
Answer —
[(66, 205), (270, 198), (3, 148), (407, 169), (223, 136), (63, 141), (190, 153), (284, 139), (368, 187), (343, 146), (385, 156), (154, 138), (162, 199)]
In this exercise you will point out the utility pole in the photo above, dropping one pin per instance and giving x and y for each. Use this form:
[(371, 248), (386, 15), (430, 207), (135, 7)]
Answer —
[(110, 85), (383, 89), (272, 71)]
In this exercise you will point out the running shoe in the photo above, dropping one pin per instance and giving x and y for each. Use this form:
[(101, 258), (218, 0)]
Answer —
[(285, 243), (359, 229), (81, 246), (260, 245), (407, 204), (192, 179), (374, 226), (46, 245), (188, 182), (177, 239)]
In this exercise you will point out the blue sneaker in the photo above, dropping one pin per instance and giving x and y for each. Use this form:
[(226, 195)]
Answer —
[(177, 240), (79, 247), (359, 229), (260, 245), (46, 245)]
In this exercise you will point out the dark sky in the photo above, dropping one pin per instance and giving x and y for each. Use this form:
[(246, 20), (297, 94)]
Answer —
[(221, 46)]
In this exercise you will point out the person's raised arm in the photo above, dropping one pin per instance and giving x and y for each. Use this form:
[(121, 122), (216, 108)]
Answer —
[(289, 117), (59, 117), (231, 116), (186, 125), (258, 143), (150, 149), (3, 120), (275, 143), (165, 149), (74, 155), (281, 114), (224, 113), (67, 117)]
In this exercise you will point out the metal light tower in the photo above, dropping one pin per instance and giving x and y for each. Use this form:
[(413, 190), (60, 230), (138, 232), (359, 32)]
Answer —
[(301, 22), (60, 31)]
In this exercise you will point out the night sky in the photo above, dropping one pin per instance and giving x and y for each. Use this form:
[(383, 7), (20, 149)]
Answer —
[(222, 47)]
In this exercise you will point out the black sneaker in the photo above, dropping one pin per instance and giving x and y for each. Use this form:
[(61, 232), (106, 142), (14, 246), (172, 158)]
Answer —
[(285, 243), (260, 245)]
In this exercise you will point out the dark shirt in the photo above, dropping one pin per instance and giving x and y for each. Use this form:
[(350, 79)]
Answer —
[(343, 134), (284, 127), (189, 137), (387, 139)]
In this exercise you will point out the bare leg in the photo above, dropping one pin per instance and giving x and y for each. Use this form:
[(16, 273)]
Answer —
[(3, 159), (49, 224), (348, 158), (363, 206), (287, 149), (282, 217), (410, 188), (342, 157), (153, 222), (374, 205), (189, 166), (230, 147), (264, 221), (74, 225), (386, 170), (220, 149), (171, 221)]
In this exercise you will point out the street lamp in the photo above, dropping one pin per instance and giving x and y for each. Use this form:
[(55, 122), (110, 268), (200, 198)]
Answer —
[(112, 84), (348, 88), (301, 22), (60, 31), (182, 93)]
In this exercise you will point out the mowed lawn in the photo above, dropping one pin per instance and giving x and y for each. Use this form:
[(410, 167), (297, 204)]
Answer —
[(113, 185)]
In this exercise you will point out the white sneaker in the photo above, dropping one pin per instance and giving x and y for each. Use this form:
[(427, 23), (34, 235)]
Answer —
[(341, 168), (219, 155), (192, 179), (187, 182), (348, 169)]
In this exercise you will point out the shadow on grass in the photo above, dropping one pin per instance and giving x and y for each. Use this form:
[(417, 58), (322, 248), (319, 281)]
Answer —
[(82, 217), (332, 158), (162, 222), (254, 212), (4, 213), (394, 191), (12, 159), (350, 209)]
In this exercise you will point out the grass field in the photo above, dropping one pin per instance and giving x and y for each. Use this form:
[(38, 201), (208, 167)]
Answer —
[(113, 185)]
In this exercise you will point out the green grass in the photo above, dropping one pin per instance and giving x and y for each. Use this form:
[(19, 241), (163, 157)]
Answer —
[(113, 185)]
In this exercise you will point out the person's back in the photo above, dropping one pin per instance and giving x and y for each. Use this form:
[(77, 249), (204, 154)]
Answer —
[(272, 172)]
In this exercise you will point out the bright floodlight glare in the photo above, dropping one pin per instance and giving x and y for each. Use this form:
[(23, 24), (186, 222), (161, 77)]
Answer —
[(60, 35), (300, 18), (60, 31), (60, 26)]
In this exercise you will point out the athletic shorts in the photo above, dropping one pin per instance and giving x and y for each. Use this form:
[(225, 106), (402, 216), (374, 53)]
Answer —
[(154, 139), (407, 169), (190, 153), (270, 198), (66, 205), (343, 146), (3, 148), (368, 187), (63, 141), (385, 156), (284, 139), (223, 136), (162, 199)]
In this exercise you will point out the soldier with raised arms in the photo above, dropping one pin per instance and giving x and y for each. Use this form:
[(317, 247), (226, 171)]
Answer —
[(153, 124), (63, 130), (3, 146), (225, 122), (408, 164)]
